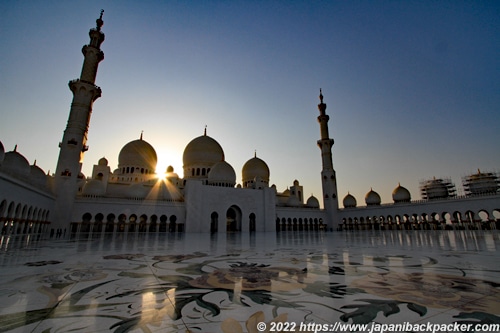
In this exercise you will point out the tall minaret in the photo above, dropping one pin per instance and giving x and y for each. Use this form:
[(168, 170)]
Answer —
[(73, 145), (328, 178)]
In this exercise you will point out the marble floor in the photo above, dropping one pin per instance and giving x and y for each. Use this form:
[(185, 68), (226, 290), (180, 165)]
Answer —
[(229, 283)]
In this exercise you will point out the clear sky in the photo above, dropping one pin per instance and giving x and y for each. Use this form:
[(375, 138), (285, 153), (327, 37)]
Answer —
[(412, 87)]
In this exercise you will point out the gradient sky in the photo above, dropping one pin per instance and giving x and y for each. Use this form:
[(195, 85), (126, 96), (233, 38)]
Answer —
[(412, 87)]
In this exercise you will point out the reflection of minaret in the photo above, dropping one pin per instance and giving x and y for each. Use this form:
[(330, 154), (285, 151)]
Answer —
[(328, 178), (73, 144)]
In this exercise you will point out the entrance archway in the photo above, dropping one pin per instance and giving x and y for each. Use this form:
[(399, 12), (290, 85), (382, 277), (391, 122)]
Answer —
[(233, 219)]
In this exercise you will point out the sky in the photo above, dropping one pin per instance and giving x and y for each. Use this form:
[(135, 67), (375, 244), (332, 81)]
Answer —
[(412, 87)]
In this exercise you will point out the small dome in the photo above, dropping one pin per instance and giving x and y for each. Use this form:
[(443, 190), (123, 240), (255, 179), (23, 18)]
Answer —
[(2, 152), (312, 202), (103, 162), (202, 151), (255, 168), (137, 191), (170, 174), (16, 164), (349, 201), (138, 154), (222, 172), (372, 198), (94, 188), (38, 176), (401, 194)]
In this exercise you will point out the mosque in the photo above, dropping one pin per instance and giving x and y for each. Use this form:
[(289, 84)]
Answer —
[(133, 198)]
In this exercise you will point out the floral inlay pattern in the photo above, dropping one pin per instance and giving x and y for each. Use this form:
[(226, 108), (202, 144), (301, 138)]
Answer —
[(127, 289)]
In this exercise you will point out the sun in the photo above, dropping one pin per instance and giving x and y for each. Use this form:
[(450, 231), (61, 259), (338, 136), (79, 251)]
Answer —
[(167, 158)]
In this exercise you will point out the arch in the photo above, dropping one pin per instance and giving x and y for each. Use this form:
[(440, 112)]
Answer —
[(98, 222), (132, 220), (143, 219), (85, 226), (251, 226), (122, 218), (110, 223), (152, 223), (214, 222), (3, 208), (163, 223), (233, 219), (173, 223)]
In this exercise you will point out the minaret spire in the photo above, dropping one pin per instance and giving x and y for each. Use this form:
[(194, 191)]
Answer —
[(328, 178), (74, 142)]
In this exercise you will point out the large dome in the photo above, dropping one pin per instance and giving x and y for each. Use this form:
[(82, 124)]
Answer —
[(255, 168), (16, 164), (202, 151), (138, 154)]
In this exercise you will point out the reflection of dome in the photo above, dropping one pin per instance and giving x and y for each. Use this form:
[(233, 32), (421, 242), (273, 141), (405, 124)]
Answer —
[(94, 188), (312, 202), (103, 162), (401, 194), (139, 155), (202, 151), (372, 198), (2, 152), (16, 164), (222, 174), (349, 201), (255, 168)]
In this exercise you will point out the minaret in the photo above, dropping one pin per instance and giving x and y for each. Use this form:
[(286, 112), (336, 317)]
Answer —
[(328, 178), (73, 145)]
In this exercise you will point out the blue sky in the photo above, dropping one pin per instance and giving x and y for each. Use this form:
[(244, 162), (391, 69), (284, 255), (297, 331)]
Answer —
[(412, 87)]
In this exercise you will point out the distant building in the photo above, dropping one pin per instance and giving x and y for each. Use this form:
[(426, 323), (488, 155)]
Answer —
[(134, 198)]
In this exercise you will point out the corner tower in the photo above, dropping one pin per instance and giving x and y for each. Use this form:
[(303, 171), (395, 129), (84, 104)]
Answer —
[(74, 141), (328, 178)]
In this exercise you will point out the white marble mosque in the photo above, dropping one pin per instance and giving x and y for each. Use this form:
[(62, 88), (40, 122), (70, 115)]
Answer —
[(127, 250), (135, 198)]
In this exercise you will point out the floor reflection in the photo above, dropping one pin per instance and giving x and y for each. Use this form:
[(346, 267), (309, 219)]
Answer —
[(212, 283)]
